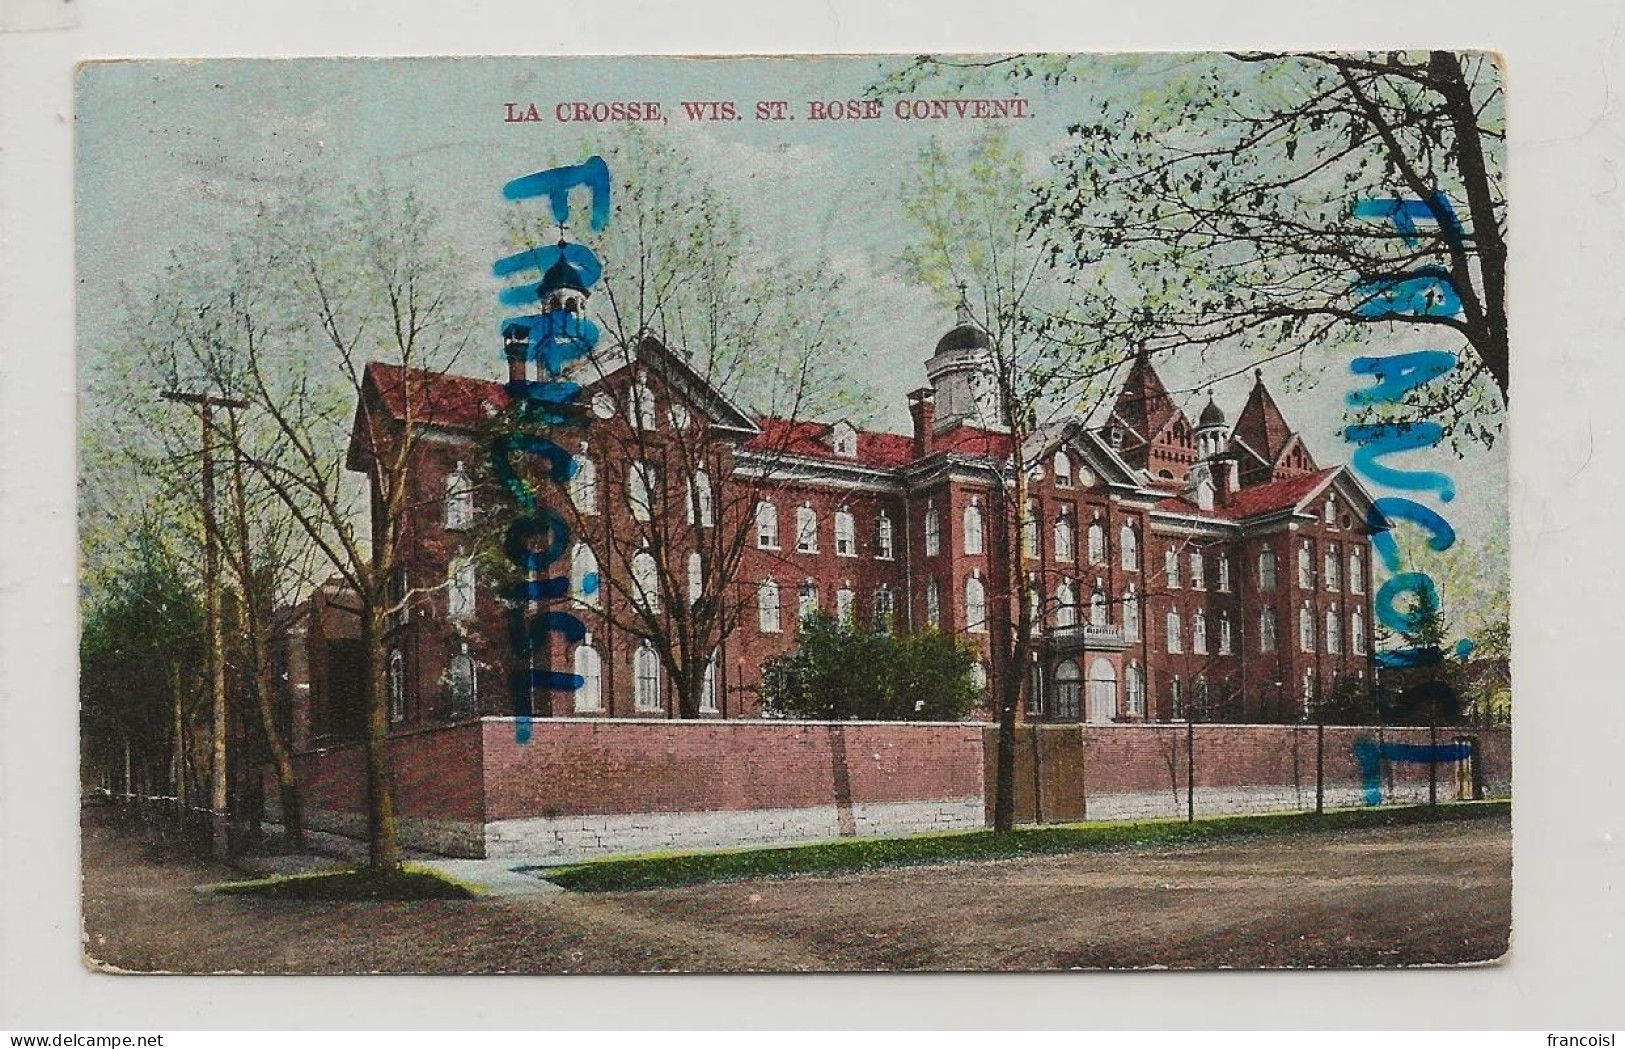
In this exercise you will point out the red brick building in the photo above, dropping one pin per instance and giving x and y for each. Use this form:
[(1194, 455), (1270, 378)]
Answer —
[(1179, 569)]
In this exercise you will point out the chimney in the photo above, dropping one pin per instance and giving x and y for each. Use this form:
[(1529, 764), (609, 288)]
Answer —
[(1226, 479), (923, 409), (515, 343)]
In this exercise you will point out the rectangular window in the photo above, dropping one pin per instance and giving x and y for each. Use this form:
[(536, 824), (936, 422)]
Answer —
[(1198, 571), (460, 591), (767, 526), (1170, 567)]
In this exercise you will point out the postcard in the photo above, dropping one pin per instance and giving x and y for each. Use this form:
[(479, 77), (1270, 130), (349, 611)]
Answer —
[(998, 512)]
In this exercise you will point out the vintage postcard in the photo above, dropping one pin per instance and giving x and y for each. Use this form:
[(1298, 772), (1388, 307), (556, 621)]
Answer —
[(962, 512)]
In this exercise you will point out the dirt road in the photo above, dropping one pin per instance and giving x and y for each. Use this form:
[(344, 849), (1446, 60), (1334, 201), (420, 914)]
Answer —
[(1439, 893)]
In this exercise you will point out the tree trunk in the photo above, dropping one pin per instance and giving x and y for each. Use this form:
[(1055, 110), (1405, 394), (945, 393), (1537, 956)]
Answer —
[(383, 850)]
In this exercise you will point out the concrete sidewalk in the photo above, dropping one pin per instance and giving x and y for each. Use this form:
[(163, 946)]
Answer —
[(333, 852)]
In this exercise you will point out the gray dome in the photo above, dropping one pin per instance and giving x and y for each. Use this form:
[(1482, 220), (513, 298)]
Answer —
[(1211, 415), (964, 336)]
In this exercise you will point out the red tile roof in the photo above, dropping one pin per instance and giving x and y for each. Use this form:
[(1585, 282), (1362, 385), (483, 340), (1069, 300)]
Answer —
[(810, 439), (1258, 499), (436, 398)]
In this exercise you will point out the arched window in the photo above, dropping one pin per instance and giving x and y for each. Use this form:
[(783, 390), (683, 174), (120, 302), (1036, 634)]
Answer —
[(1334, 632), (640, 489), (1063, 470), (1308, 687), (1356, 572), (1306, 628), (708, 686), (696, 577), (700, 502), (1266, 631), (1029, 530), (767, 525), (1176, 701), (1170, 567), (846, 534), (1331, 573), (1062, 540), (973, 529), (1102, 691), (1306, 567), (1099, 608), (397, 685), (1224, 573), (1097, 543), (1330, 516), (646, 581), (1199, 632), (975, 606), (646, 678), (883, 537), (1129, 539), (806, 529), (585, 584), (933, 531), (1266, 569), (1068, 691), (806, 600), (767, 606), (845, 599), (1199, 699), (1035, 606), (1131, 614), (1198, 571), (590, 669), (1357, 633), (460, 590), (459, 499), (1226, 638), (1134, 685), (640, 407), (461, 684), (679, 415), (584, 484), (933, 604), (883, 609), (1066, 604), (1174, 629)]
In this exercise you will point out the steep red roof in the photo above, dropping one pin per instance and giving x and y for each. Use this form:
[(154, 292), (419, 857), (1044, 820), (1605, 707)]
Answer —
[(1261, 426), (1144, 403), (810, 439), (436, 398), (1258, 499)]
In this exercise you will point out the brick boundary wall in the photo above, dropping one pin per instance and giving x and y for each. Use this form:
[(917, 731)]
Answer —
[(1107, 772), (585, 787), (590, 787)]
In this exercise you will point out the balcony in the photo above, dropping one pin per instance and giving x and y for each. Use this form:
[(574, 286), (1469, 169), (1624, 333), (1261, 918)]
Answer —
[(1086, 637)]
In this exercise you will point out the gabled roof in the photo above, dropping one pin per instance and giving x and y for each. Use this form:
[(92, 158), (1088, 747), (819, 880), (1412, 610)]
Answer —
[(1256, 501), (1261, 427), (433, 398), (1144, 405), (675, 368)]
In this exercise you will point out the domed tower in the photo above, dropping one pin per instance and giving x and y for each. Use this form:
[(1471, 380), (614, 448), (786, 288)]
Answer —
[(1211, 431), (961, 374), (562, 288)]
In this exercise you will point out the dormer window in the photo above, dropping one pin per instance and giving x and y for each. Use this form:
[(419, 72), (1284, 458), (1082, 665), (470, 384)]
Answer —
[(844, 439)]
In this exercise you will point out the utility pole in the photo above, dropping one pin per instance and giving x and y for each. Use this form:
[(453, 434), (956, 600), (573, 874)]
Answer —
[(211, 615)]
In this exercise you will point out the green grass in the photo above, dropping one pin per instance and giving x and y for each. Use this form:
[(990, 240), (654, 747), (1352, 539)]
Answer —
[(657, 870), (410, 883)]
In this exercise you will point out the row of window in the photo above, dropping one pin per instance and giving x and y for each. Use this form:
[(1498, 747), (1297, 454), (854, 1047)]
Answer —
[(1064, 701), (646, 680), (769, 605), (1332, 633), (1330, 572), (806, 534), (461, 684)]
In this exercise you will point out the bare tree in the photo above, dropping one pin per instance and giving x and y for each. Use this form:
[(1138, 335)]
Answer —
[(740, 351), (970, 212), (288, 321)]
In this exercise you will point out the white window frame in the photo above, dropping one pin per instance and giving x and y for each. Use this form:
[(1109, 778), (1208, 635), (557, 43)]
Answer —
[(589, 667), (584, 484), (1170, 567), (975, 539), (1174, 628), (459, 515), (768, 618), (885, 535), (462, 590), (806, 529), (1199, 632), (1062, 467), (846, 534), (646, 698), (933, 603), (1198, 569), (767, 525), (397, 686), (1064, 538), (1129, 538), (975, 605), (932, 527), (1267, 635)]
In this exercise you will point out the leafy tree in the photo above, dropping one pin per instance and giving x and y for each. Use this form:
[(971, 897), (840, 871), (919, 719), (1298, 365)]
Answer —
[(840, 671), (1283, 203), (140, 651)]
